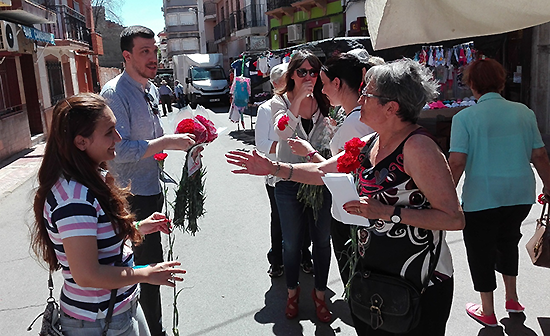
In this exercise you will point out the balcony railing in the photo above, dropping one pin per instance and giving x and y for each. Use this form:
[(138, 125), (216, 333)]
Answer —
[(248, 17), (221, 30), (70, 25), (274, 4)]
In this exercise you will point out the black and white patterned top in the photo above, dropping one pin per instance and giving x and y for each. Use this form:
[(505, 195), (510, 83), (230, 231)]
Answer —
[(397, 249)]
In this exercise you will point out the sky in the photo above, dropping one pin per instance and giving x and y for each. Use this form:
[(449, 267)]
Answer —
[(143, 12)]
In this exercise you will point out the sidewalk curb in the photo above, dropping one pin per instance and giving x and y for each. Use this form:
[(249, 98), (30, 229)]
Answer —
[(20, 167)]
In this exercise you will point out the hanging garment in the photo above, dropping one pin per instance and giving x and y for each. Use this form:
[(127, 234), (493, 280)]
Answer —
[(241, 91)]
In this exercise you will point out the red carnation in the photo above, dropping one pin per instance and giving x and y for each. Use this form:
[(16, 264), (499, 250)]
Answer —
[(283, 122), (354, 146), (541, 199), (210, 128), (186, 126), (347, 163), (160, 156)]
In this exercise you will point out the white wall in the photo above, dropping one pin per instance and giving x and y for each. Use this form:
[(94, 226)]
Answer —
[(353, 11)]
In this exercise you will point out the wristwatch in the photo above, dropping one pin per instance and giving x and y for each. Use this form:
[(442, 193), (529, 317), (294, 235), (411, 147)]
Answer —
[(396, 216)]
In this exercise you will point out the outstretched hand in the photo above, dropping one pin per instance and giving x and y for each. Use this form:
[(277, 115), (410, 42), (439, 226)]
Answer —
[(155, 222), (253, 164), (164, 273)]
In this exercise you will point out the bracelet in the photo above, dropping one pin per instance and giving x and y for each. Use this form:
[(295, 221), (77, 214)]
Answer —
[(291, 171), (310, 155), (137, 224), (278, 168)]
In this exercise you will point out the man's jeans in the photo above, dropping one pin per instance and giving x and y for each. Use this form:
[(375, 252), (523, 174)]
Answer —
[(149, 252)]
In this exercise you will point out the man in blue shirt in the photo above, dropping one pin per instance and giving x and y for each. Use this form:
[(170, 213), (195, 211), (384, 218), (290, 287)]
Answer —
[(178, 90), (166, 95), (134, 102)]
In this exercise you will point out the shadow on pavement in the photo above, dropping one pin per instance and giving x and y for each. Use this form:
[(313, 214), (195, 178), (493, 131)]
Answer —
[(544, 323), (514, 325), (491, 331), (245, 136), (275, 302), (15, 157)]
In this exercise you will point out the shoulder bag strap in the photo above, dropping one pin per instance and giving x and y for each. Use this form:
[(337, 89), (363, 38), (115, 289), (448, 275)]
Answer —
[(112, 299)]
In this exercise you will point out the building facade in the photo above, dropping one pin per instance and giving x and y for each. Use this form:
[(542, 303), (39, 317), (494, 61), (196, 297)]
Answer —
[(48, 51), (295, 22), (184, 27), (242, 26)]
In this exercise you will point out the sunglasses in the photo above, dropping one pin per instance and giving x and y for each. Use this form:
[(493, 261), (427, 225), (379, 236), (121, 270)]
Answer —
[(301, 72), (151, 101)]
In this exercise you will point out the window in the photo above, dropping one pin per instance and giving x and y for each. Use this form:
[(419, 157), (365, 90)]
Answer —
[(181, 19), (188, 19), (172, 19), (183, 44), (55, 79)]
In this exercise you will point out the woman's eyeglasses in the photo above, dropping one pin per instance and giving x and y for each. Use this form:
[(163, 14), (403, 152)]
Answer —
[(301, 72), (151, 101), (364, 93)]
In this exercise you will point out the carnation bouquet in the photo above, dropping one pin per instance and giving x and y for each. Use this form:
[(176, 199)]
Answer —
[(190, 196)]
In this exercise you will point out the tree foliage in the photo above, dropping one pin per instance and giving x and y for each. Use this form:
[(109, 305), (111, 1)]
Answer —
[(111, 8)]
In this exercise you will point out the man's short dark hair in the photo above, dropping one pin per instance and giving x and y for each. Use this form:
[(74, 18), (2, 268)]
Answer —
[(128, 34)]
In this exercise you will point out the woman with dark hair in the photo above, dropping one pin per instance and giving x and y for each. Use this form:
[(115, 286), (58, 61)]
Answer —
[(82, 225), (493, 143), (405, 188), (300, 110), (342, 77)]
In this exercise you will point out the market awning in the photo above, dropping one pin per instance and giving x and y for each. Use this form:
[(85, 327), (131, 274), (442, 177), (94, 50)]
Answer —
[(38, 35), (395, 23)]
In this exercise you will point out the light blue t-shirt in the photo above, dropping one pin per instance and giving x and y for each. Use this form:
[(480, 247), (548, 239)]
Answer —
[(498, 136)]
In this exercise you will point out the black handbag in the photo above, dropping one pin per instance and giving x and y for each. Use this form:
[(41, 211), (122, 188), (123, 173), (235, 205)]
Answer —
[(386, 302), (51, 316)]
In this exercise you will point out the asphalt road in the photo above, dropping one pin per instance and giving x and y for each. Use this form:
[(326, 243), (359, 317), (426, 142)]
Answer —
[(227, 290)]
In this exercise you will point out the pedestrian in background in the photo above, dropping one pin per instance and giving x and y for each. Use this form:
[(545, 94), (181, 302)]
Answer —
[(178, 91), (493, 143), (83, 225), (134, 102), (166, 96)]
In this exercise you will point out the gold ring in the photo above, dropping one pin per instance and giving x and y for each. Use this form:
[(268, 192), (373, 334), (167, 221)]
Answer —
[(358, 210), (243, 165)]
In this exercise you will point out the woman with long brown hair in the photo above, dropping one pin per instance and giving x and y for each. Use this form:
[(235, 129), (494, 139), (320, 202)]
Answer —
[(82, 225), (300, 110)]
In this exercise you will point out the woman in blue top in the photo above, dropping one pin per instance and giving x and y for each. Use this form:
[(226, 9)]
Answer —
[(493, 143)]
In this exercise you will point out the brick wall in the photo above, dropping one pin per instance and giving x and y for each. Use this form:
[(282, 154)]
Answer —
[(15, 134)]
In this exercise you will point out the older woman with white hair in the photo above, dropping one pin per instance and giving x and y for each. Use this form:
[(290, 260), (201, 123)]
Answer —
[(406, 191)]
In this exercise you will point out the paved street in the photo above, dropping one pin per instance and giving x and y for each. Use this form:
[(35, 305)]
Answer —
[(226, 290)]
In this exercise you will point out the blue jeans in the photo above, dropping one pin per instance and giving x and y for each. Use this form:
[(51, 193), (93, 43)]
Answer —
[(294, 218), (129, 323)]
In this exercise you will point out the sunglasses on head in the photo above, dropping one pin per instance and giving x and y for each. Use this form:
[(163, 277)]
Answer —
[(301, 72), (151, 101)]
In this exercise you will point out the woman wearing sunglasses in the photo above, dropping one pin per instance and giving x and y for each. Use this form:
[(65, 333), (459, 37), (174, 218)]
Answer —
[(342, 77), (304, 107)]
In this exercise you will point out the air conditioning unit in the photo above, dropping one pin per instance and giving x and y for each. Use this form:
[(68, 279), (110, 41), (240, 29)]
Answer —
[(295, 33), (8, 38), (331, 29)]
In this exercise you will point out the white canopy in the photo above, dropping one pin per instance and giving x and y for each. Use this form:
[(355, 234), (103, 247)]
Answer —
[(395, 23)]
